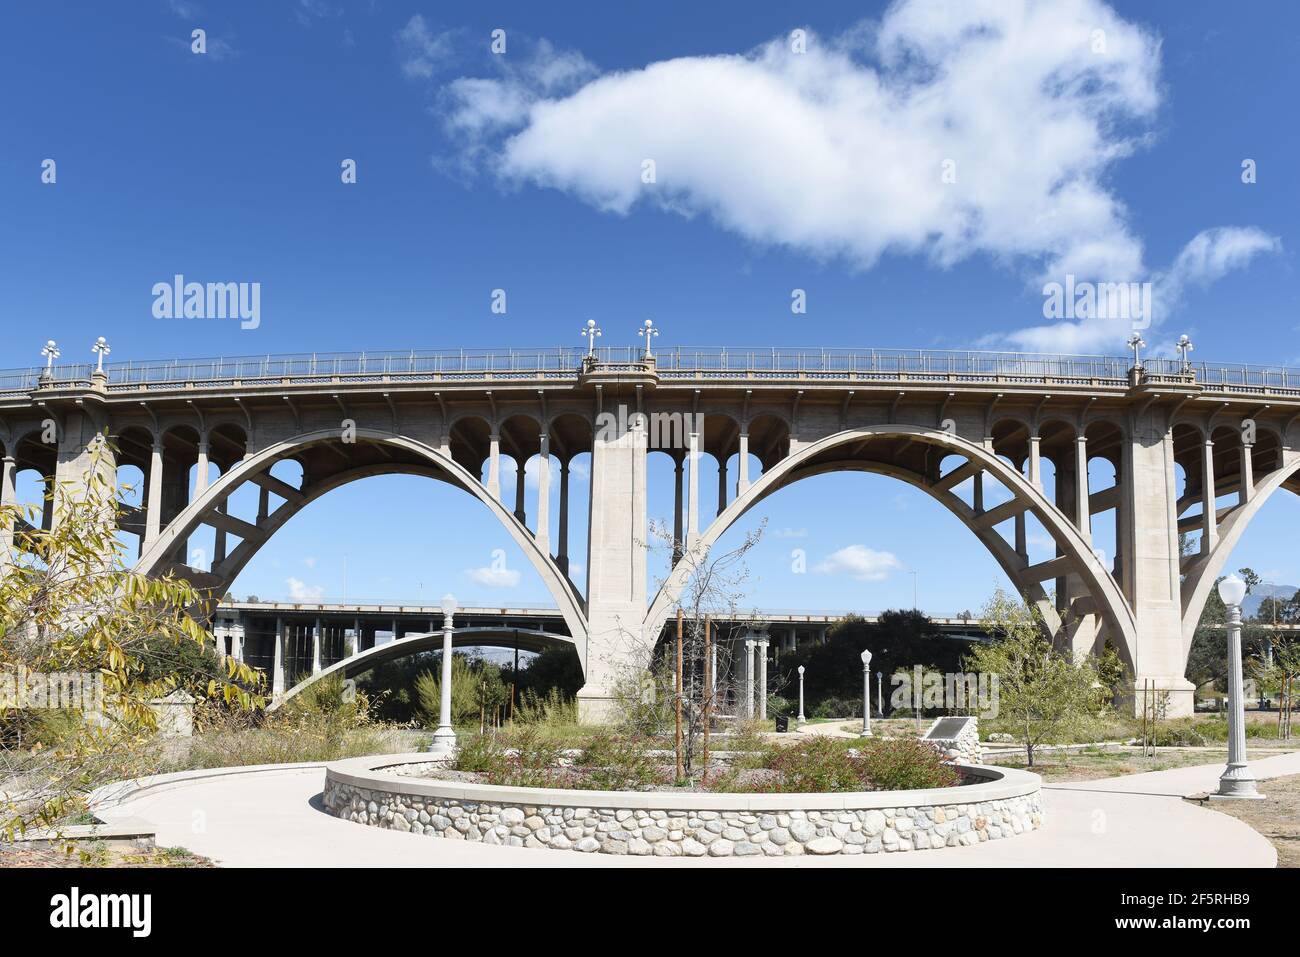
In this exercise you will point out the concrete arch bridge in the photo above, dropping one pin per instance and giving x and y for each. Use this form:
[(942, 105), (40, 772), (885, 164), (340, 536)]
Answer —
[(1009, 443)]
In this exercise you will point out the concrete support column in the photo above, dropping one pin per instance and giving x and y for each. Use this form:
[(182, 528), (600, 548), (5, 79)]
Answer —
[(762, 678), (153, 493), (742, 478), (1022, 539), (977, 492), (521, 471), (749, 677), (1247, 472), (316, 635), (201, 470), (693, 492), (1035, 462), (1210, 519), (1082, 510), (494, 466), (219, 541), (616, 560), (8, 498), (277, 666), (356, 636), (1151, 576), (563, 558), (237, 642), (543, 535), (722, 485), (677, 509)]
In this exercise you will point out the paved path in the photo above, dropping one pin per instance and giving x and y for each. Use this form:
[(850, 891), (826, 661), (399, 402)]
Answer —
[(273, 818)]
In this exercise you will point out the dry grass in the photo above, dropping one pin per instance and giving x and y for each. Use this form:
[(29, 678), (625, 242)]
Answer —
[(99, 856)]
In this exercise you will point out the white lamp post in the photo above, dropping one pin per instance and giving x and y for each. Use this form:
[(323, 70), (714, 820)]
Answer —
[(592, 331), (802, 719), (1184, 346), (648, 330), (51, 352), (100, 349), (880, 698), (444, 739), (866, 694), (1136, 342), (1236, 782)]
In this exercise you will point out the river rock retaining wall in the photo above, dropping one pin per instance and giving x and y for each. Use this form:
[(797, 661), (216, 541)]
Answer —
[(388, 792)]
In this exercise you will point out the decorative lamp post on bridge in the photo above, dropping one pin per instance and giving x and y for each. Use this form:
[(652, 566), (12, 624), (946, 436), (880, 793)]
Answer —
[(866, 694), (1236, 782), (592, 332), (648, 330), (1184, 346), (802, 719), (51, 352), (444, 739), (100, 349)]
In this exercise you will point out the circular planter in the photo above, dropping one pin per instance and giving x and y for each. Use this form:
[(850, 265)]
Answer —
[(383, 791)]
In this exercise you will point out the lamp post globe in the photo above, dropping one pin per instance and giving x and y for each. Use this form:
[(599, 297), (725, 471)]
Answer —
[(1237, 782), (444, 739)]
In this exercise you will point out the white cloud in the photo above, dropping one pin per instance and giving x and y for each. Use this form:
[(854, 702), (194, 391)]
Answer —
[(859, 562), (301, 591), (421, 50), (493, 576), (839, 151)]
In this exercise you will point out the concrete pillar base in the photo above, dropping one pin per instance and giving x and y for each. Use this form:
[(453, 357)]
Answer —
[(597, 706), (1180, 703)]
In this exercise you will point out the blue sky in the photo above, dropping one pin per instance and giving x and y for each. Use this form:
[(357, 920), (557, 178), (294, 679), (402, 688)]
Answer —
[(478, 171)]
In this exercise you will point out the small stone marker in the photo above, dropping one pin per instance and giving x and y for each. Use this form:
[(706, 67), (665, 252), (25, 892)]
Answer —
[(957, 737)]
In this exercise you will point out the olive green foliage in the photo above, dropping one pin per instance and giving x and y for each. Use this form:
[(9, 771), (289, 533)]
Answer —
[(1043, 692), (68, 604)]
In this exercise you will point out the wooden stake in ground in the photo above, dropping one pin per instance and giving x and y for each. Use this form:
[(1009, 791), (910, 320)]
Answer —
[(708, 690), (678, 709)]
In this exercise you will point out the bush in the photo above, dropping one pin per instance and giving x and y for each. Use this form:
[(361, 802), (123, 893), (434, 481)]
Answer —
[(481, 753), (901, 764), (817, 764), (1174, 736), (613, 762), (838, 708)]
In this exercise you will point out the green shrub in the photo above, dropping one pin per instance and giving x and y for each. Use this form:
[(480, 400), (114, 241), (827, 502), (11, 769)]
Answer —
[(612, 762), (482, 753), (817, 764), (1176, 736), (838, 708), (901, 764)]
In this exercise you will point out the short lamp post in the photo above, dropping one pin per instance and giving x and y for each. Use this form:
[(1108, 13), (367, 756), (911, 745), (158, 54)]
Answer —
[(444, 739), (802, 719), (880, 698), (1236, 782), (866, 694)]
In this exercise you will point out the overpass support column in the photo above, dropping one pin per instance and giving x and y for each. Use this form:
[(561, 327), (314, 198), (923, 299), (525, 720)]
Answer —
[(722, 486), (543, 535), (1078, 623), (742, 465), (494, 466), (1151, 574), (616, 560), (8, 498), (1082, 508), (521, 472), (1210, 534), (1035, 461), (562, 559), (277, 665), (762, 678), (154, 488), (749, 678), (1247, 472), (201, 470), (693, 492), (315, 647), (677, 509)]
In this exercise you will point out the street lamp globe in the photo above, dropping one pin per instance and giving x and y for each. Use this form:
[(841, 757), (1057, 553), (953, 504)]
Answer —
[(448, 604), (801, 671), (1232, 590)]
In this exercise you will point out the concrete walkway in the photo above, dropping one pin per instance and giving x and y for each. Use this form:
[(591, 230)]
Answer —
[(273, 819)]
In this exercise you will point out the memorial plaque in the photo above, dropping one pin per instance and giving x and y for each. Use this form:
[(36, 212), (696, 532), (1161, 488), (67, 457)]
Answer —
[(946, 729)]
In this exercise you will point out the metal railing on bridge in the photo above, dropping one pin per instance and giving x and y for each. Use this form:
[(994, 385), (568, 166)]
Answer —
[(676, 362)]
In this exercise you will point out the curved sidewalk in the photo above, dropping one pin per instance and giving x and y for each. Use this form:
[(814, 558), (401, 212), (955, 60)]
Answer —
[(273, 818)]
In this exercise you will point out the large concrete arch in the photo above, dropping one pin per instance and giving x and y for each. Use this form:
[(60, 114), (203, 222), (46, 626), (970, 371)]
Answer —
[(1203, 573), (156, 558), (523, 639), (1108, 600)]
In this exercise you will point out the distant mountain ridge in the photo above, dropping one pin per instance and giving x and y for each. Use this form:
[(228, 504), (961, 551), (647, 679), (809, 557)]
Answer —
[(1250, 606)]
